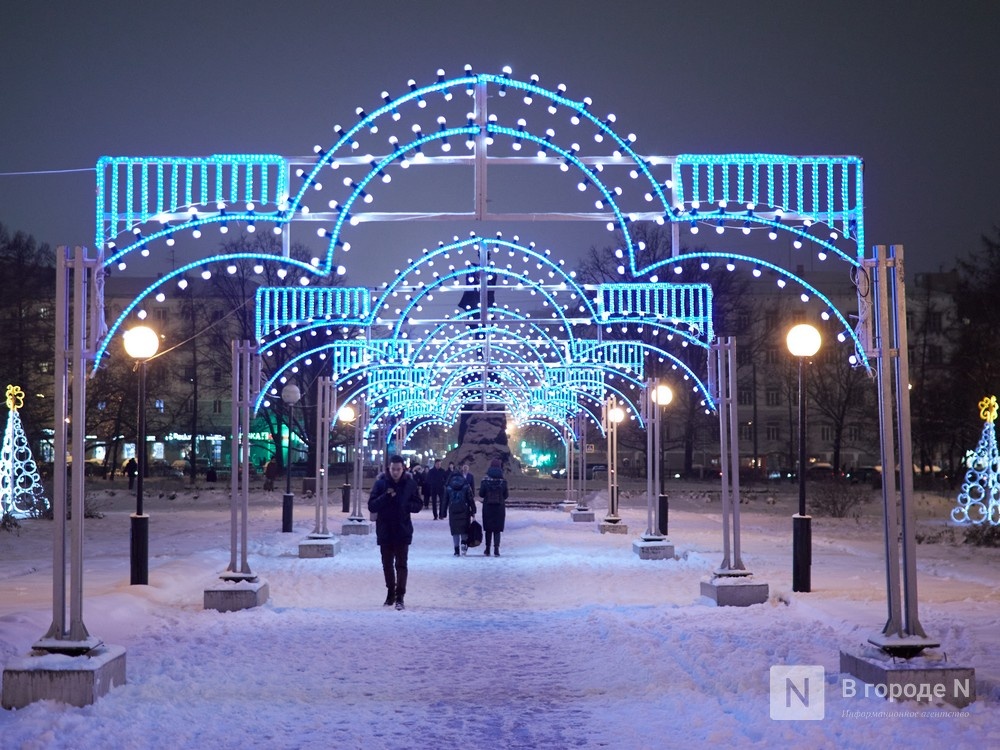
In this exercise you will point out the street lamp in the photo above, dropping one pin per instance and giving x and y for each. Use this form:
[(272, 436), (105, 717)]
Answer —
[(803, 341), (615, 416), (141, 343), (346, 415), (661, 395), (290, 394)]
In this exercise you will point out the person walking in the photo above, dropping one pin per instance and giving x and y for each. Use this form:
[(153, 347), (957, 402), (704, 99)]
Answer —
[(469, 478), (434, 483), (494, 492), (418, 475), (459, 508), (131, 470), (393, 498), (270, 474)]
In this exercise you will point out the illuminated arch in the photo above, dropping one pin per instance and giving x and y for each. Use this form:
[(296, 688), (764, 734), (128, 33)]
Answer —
[(796, 195)]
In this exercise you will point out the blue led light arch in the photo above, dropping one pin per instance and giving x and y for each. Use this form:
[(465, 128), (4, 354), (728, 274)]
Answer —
[(776, 192)]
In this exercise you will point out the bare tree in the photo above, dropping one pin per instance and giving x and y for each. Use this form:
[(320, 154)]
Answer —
[(27, 295), (653, 243)]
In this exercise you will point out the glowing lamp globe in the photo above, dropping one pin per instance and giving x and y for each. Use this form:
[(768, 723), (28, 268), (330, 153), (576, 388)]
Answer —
[(617, 414), (662, 395), (803, 340), (346, 414), (291, 394), (141, 342)]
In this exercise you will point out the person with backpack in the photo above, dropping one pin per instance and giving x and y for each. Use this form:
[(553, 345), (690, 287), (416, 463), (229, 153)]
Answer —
[(394, 497), (459, 507), (493, 490)]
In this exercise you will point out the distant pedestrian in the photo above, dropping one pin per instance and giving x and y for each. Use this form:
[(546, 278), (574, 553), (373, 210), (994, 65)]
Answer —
[(393, 498), (131, 471), (434, 484), (270, 474), (468, 477), (459, 508), (494, 492), (418, 475)]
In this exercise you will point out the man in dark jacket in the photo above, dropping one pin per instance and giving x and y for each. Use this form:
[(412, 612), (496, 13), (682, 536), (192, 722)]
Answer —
[(393, 498), (434, 485)]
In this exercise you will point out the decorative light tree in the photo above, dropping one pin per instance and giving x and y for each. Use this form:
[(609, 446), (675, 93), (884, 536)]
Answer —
[(21, 492), (979, 500)]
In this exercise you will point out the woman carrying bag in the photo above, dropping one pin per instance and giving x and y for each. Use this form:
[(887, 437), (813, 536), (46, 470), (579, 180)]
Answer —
[(459, 509)]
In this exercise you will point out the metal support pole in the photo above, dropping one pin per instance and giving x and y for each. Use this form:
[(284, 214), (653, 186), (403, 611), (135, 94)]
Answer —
[(74, 272), (902, 634), (245, 387), (722, 376), (326, 413), (59, 489), (649, 412), (359, 431), (582, 462), (717, 367), (570, 461)]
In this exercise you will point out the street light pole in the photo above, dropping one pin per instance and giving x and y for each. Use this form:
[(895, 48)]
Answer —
[(803, 341), (615, 415), (290, 394), (141, 343), (661, 396)]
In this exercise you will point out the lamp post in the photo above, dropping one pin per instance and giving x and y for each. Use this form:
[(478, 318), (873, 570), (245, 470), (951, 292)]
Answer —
[(290, 394), (141, 343), (803, 341), (347, 415), (661, 395), (615, 416)]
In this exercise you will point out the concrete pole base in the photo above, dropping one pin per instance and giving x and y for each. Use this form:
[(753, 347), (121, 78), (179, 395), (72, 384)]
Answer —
[(76, 680), (734, 591), (925, 679), (609, 527), (653, 549), (355, 526), (319, 547), (232, 596), (582, 515)]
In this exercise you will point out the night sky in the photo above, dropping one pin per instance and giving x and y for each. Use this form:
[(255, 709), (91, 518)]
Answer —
[(912, 88)]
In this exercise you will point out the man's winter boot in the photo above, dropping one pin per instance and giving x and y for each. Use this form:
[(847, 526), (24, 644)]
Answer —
[(496, 552), (486, 551), (390, 598), (456, 551)]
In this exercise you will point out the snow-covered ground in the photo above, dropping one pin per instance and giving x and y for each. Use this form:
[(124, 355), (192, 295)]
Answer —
[(567, 640)]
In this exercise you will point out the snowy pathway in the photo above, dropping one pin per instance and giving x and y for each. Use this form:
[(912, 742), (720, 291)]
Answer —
[(567, 640)]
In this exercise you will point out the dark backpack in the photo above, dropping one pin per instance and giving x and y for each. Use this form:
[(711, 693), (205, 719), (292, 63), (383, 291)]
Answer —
[(457, 498), (493, 492)]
